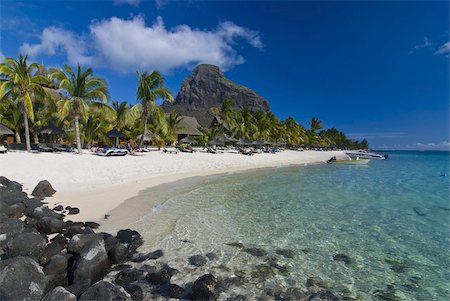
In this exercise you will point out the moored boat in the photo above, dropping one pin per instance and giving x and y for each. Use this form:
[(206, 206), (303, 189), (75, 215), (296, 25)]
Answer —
[(367, 155), (349, 160)]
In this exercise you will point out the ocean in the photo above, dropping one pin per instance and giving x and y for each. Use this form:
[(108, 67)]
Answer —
[(376, 232)]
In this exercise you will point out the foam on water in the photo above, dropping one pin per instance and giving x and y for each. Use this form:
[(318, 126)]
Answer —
[(391, 219)]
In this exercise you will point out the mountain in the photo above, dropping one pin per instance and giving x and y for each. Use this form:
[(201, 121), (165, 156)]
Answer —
[(207, 87)]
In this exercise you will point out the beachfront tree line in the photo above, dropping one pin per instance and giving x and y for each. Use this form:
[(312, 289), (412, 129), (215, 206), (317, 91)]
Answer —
[(82, 106)]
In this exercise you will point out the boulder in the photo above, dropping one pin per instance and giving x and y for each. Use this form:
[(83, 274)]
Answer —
[(56, 280), (26, 244), (49, 225), (59, 293), (10, 196), (175, 291), (159, 277), (42, 211), (130, 238), (56, 265), (128, 276), (135, 291), (59, 239), (51, 249), (205, 288), (10, 228), (15, 210), (197, 260), (89, 267), (315, 284), (58, 208), (43, 189), (79, 241), (118, 253), (10, 184), (139, 257), (92, 225), (21, 278), (72, 210), (105, 291), (31, 204)]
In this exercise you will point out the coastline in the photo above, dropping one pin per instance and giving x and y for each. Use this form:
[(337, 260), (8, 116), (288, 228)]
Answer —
[(98, 185)]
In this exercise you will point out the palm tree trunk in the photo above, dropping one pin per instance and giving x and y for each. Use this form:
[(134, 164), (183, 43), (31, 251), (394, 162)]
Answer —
[(77, 133), (35, 138), (141, 141), (26, 127)]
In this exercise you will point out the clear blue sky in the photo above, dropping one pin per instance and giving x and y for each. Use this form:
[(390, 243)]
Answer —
[(377, 69)]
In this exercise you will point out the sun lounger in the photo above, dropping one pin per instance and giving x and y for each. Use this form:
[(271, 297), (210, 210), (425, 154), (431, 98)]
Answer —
[(42, 147), (58, 147), (167, 151), (186, 150)]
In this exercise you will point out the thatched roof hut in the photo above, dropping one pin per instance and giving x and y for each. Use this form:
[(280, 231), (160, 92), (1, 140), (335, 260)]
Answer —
[(188, 126), (5, 131)]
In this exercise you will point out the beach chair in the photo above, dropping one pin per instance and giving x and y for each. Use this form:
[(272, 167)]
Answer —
[(167, 151), (42, 147)]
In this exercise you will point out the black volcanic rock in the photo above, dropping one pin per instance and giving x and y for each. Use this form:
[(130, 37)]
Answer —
[(43, 189), (207, 87)]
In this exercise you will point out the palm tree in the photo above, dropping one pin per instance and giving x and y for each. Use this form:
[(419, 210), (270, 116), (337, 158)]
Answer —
[(17, 77), (316, 124), (226, 116), (173, 120), (151, 88), (125, 114), (80, 89), (11, 116)]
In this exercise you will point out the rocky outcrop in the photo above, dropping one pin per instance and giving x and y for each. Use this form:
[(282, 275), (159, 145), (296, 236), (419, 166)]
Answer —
[(207, 87), (43, 189)]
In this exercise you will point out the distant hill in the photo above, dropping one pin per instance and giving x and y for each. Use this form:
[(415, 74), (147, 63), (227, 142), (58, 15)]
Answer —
[(207, 87)]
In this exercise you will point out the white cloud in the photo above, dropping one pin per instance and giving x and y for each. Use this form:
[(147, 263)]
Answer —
[(127, 45), (444, 49), (56, 40), (442, 146), (129, 2), (426, 44)]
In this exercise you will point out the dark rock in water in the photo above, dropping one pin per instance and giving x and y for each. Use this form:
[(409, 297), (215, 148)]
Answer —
[(205, 288), (306, 250), (118, 253), (387, 294), (155, 254), (398, 266), (127, 276), (262, 272), (90, 266), (10, 184), (92, 225), (139, 257), (211, 255), (288, 253), (342, 257), (130, 238), (121, 267), (59, 293), (235, 297), (58, 208), (296, 293), (26, 244), (56, 265), (258, 252), (49, 225), (225, 283), (72, 210), (420, 211), (315, 284), (207, 87), (135, 291), (175, 291), (43, 189), (235, 244), (197, 260), (79, 241), (158, 277), (105, 291), (323, 296), (21, 278)]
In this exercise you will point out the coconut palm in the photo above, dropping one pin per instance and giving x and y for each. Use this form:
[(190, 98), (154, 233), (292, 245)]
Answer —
[(316, 124), (26, 81), (11, 116), (125, 114), (80, 89), (173, 121), (150, 89)]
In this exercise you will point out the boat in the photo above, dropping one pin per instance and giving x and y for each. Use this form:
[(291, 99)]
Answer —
[(363, 154), (349, 160), (113, 151)]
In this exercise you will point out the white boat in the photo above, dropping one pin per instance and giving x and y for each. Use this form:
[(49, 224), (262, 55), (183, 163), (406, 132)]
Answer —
[(107, 152), (366, 155), (349, 161)]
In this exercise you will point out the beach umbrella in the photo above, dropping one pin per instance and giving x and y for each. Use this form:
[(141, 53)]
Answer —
[(5, 131), (188, 139), (51, 130), (243, 141), (217, 142), (116, 135)]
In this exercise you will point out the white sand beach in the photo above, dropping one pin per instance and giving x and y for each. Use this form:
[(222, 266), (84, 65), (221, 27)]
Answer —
[(97, 184)]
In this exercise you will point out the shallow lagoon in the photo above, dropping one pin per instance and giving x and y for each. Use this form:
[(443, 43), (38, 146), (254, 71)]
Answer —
[(390, 220)]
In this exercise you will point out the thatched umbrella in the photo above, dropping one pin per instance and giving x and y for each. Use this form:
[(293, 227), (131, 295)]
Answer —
[(243, 141), (114, 133), (147, 137), (217, 142), (5, 131), (188, 139)]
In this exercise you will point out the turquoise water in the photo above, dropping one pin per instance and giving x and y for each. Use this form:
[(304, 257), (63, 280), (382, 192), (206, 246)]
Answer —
[(390, 218)]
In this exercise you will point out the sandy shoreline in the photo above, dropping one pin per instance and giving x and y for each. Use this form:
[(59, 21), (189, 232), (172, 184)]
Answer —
[(97, 185)]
